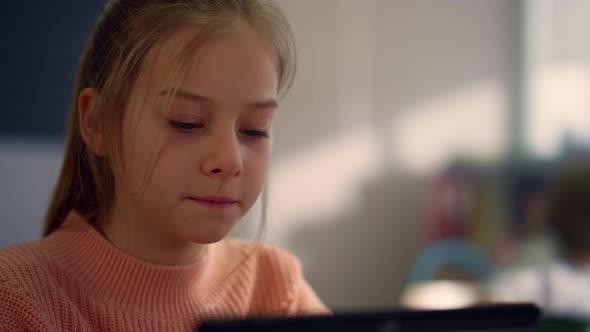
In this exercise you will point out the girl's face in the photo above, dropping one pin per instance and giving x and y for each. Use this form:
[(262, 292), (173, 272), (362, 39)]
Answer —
[(192, 172)]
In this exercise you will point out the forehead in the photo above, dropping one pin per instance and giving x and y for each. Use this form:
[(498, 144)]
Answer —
[(238, 64)]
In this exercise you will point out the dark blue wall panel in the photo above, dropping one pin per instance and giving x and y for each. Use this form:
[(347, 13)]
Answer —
[(41, 43)]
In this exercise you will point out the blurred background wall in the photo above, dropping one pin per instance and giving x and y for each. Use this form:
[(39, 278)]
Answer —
[(389, 95), (387, 92)]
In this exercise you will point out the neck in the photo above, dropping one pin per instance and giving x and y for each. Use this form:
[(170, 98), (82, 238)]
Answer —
[(138, 237)]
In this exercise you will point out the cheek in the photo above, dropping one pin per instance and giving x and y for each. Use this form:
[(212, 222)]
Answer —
[(174, 169), (256, 163), (140, 154)]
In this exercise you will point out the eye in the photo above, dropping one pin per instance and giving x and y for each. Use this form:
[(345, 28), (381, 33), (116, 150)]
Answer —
[(255, 133), (185, 126)]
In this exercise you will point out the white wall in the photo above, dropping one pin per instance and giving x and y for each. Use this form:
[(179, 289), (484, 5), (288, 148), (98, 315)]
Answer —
[(387, 91)]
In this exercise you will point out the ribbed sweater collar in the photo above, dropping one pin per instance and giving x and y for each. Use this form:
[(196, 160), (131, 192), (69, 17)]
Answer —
[(116, 278)]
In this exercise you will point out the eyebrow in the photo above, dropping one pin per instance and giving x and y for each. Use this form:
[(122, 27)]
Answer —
[(270, 103)]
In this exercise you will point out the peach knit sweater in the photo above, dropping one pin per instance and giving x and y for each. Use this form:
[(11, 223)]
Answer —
[(75, 280)]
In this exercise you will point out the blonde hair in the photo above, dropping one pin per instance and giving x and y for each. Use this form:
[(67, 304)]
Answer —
[(126, 31)]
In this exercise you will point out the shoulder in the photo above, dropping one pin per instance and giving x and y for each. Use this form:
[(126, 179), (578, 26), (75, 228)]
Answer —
[(266, 259), (269, 277), (23, 267), (20, 265), (21, 260), (276, 278)]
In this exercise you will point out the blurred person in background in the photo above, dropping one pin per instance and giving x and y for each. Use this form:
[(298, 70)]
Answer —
[(560, 284)]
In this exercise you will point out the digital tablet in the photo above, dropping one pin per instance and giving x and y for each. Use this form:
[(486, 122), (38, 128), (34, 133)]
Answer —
[(489, 318)]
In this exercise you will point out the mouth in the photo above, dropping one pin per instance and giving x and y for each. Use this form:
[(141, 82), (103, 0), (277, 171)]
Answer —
[(219, 202)]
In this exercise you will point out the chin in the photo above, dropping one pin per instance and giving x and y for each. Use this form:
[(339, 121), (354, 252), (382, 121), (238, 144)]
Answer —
[(207, 239), (209, 235)]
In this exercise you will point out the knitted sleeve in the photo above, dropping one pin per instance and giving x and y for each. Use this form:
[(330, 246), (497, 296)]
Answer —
[(280, 288), (304, 299), (18, 311), (307, 302)]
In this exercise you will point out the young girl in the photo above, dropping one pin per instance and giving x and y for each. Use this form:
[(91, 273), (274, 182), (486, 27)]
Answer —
[(168, 147)]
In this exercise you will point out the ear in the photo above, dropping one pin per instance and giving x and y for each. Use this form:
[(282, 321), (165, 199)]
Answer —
[(89, 122)]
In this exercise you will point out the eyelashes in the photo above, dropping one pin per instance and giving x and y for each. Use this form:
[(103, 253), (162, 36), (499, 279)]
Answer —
[(255, 133), (190, 127), (185, 126)]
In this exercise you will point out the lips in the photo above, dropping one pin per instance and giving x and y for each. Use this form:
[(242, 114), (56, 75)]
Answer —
[(214, 201)]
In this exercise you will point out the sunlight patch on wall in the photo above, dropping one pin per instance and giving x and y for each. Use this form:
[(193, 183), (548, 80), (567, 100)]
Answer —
[(469, 122), (320, 182)]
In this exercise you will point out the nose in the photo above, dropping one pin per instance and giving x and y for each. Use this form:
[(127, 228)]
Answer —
[(224, 158)]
